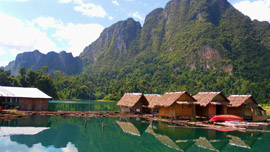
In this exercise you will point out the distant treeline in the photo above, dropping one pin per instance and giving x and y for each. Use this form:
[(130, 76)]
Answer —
[(112, 85)]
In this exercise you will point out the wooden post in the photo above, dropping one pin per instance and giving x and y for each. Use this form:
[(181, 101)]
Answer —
[(174, 110)]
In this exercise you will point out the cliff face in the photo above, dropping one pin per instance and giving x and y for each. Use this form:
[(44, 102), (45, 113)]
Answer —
[(114, 44), (54, 61)]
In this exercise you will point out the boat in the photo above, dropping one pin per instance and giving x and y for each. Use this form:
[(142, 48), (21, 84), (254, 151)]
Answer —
[(222, 118)]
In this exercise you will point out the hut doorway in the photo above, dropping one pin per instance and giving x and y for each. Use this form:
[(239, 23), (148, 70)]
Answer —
[(219, 110)]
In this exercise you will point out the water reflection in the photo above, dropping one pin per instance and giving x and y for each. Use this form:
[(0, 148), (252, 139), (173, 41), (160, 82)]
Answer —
[(122, 134), (83, 106), (133, 126), (187, 138)]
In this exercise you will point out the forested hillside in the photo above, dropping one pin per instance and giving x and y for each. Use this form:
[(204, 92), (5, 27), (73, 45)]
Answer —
[(190, 45)]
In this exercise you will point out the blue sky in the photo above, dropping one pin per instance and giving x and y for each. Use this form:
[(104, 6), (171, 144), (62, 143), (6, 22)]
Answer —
[(71, 25)]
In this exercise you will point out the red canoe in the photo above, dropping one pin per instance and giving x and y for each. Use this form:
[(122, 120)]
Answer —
[(226, 118)]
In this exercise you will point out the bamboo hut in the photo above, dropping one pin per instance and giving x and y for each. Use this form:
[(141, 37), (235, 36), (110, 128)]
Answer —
[(246, 106), (210, 104), (133, 103), (177, 104), (31, 99), (153, 100)]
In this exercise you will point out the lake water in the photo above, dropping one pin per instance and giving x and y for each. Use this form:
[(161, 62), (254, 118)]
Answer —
[(83, 106), (71, 134)]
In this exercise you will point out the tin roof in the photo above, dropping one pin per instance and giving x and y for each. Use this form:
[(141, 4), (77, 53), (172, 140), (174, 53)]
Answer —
[(21, 92)]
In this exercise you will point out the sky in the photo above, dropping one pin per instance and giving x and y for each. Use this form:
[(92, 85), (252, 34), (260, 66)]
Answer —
[(71, 25)]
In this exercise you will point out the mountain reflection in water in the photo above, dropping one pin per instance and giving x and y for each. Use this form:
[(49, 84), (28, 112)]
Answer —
[(56, 133)]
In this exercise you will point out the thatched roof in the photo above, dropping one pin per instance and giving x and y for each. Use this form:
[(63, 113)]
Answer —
[(153, 99), (170, 98), (238, 100), (130, 99), (204, 98)]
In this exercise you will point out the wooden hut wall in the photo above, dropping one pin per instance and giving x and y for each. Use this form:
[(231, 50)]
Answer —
[(177, 110), (258, 114), (137, 106), (250, 100), (185, 110), (33, 104), (202, 111), (144, 105), (219, 98), (125, 109), (167, 111), (185, 97), (235, 111), (221, 109), (246, 111), (212, 110), (259, 118)]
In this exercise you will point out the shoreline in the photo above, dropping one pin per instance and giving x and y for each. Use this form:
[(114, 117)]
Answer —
[(199, 123)]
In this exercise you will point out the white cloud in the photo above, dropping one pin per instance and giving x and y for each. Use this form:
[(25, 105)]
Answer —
[(90, 9), (65, 1), (259, 9), (17, 36), (78, 36), (48, 22), (115, 2), (74, 37), (138, 16), (70, 148), (38, 148)]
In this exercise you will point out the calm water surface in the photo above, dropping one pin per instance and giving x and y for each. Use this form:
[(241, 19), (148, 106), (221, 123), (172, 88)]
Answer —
[(83, 106), (71, 134)]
